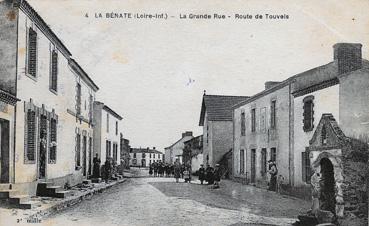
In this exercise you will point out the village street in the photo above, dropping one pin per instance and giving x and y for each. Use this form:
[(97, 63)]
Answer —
[(161, 201)]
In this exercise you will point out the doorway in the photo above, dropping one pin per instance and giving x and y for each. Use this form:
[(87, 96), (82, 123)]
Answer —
[(43, 135), (327, 185), (5, 151), (253, 165), (84, 157)]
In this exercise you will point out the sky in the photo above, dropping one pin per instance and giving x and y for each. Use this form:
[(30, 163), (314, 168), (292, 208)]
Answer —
[(154, 71)]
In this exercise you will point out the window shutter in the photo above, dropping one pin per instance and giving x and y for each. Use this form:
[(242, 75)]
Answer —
[(308, 168), (303, 161), (31, 135), (32, 52), (54, 70), (53, 140)]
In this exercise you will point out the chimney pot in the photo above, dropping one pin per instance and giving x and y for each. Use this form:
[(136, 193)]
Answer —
[(348, 57)]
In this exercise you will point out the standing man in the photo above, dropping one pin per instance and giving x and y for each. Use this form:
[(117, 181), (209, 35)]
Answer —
[(177, 170), (217, 175), (202, 173), (273, 171), (96, 168)]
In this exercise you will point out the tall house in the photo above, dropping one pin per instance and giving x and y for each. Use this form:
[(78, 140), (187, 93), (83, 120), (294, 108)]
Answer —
[(216, 120), (107, 132), (175, 151), (144, 157), (54, 104)]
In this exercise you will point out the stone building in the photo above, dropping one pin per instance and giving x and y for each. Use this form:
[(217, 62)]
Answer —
[(216, 120), (339, 164), (51, 126), (192, 153), (143, 157), (124, 151), (107, 132), (277, 123), (175, 151)]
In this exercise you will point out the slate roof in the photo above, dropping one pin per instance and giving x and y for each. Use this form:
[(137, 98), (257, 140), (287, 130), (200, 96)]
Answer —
[(307, 81), (219, 108), (144, 150)]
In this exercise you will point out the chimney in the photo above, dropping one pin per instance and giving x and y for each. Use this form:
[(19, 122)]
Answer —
[(147, 148), (270, 84), (154, 148), (348, 57)]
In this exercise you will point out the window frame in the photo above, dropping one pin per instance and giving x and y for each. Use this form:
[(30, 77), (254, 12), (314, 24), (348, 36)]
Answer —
[(305, 167), (78, 99), (242, 161), (53, 141), (32, 74), (273, 114), (253, 120), (54, 72), (243, 124), (308, 122), (27, 159)]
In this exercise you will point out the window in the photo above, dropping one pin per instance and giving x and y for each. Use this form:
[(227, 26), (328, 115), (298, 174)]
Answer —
[(115, 152), (263, 161), (108, 149), (116, 128), (32, 53), (54, 71), (242, 161), (273, 114), (143, 155), (253, 120), (262, 119), (150, 155), (53, 140), (308, 113), (31, 135), (134, 155), (78, 107), (91, 105), (273, 154), (306, 170), (243, 124), (78, 151), (207, 133), (107, 122), (324, 135)]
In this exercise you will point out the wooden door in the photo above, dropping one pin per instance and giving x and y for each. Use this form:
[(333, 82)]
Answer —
[(5, 151)]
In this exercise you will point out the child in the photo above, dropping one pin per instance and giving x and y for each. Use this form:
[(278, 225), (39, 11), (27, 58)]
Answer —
[(186, 175)]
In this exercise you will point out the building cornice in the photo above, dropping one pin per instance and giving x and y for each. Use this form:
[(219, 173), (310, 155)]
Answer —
[(8, 98), (82, 73), (311, 89)]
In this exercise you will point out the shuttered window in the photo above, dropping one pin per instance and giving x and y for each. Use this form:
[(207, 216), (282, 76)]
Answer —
[(243, 124), (31, 135), (273, 154), (53, 141), (78, 150), (306, 170), (263, 161), (32, 52), (115, 152), (242, 161), (308, 113), (273, 114), (78, 107), (54, 71), (253, 120)]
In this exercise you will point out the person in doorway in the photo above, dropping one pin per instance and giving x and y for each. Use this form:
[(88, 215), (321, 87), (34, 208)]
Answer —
[(202, 173), (96, 167), (217, 176), (108, 169), (177, 170), (273, 171)]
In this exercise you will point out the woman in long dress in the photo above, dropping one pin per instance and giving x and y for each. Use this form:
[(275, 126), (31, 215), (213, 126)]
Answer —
[(177, 170)]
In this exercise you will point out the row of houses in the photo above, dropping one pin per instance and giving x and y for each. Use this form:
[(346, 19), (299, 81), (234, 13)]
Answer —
[(144, 157), (289, 121), (51, 124)]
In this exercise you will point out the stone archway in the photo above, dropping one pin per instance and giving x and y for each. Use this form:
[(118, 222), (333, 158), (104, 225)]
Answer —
[(327, 186)]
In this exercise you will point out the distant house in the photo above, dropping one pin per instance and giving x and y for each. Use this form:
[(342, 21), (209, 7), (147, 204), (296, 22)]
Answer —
[(192, 153), (106, 132), (143, 157), (216, 120), (175, 151)]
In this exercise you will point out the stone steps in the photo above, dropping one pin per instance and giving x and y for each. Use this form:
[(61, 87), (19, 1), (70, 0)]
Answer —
[(63, 194), (47, 189)]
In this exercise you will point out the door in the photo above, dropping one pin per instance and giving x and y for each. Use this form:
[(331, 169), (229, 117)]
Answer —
[(43, 135), (253, 165), (4, 152), (84, 155), (89, 156)]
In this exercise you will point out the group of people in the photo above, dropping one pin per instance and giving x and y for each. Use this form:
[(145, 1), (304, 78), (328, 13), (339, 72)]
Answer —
[(177, 170), (107, 170), (210, 175), (161, 169)]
